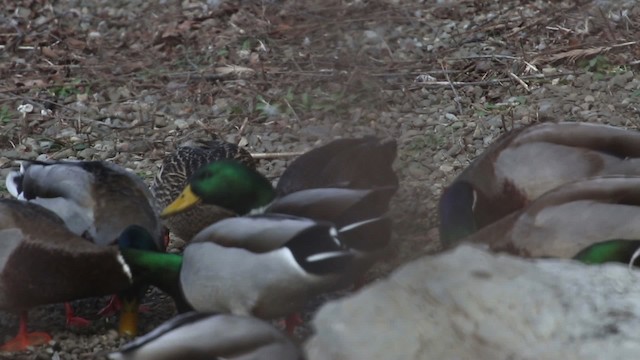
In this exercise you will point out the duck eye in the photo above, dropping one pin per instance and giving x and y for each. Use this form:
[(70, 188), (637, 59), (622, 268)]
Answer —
[(204, 175)]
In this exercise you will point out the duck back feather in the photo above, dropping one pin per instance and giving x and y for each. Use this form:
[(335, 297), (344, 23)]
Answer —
[(96, 199)]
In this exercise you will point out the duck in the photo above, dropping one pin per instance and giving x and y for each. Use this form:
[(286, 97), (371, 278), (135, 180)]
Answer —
[(351, 163), (526, 163), (200, 336), (43, 262), (175, 172), (284, 260), (97, 200), (592, 220), (342, 182)]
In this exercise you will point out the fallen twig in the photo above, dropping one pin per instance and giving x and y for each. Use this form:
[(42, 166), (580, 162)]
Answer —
[(456, 97), (276, 155), (519, 81)]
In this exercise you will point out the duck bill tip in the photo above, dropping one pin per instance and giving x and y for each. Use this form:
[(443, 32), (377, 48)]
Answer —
[(186, 200), (129, 318)]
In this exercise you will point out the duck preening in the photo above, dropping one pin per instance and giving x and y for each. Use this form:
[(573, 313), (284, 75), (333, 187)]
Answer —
[(594, 220), (261, 251), (526, 163), (96, 200), (343, 182), (43, 262), (262, 265), (322, 227)]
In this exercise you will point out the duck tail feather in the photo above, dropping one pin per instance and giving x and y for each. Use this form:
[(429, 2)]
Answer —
[(367, 235), (373, 205), (318, 252), (14, 184)]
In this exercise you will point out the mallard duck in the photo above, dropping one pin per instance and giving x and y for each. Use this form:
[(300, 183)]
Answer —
[(352, 163), (264, 265), (593, 220), (43, 262), (97, 200), (198, 336), (526, 163), (178, 167), (342, 182)]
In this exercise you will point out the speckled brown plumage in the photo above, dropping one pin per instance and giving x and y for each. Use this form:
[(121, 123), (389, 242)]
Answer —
[(177, 169)]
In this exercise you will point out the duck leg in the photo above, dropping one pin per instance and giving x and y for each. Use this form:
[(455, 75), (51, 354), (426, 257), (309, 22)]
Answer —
[(73, 320), (24, 338), (291, 322), (113, 307), (129, 316)]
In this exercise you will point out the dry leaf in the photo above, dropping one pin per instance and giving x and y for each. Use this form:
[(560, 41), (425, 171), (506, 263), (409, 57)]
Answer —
[(233, 69)]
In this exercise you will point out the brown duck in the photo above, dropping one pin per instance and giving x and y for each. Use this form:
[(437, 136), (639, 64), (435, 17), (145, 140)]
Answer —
[(528, 162), (594, 220)]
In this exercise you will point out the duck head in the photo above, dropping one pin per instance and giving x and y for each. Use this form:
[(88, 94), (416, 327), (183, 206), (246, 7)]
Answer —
[(227, 184), (456, 208)]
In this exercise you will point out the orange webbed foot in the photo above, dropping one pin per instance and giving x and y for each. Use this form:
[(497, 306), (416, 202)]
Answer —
[(23, 341), (73, 320)]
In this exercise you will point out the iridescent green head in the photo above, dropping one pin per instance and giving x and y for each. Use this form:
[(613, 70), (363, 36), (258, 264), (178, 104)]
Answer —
[(228, 184)]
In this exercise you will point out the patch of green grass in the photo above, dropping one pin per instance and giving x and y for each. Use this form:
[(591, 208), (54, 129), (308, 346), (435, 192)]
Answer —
[(292, 103), (73, 88), (498, 108), (5, 114), (267, 109), (246, 45), (601, 67)]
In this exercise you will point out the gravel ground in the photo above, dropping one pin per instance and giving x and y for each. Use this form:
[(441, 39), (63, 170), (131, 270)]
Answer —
[(127, 81)]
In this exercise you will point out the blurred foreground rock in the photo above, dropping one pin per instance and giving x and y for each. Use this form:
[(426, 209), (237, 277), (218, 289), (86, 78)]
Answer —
[(470, 304)]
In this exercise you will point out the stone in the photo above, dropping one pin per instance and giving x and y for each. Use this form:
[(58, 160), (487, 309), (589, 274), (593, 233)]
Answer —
[(471, 304)]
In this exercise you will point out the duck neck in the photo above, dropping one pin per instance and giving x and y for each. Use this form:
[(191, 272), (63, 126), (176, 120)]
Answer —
[(156, 268)]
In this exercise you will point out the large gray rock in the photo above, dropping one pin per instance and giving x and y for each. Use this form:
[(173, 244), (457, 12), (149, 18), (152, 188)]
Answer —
[(470, 304)]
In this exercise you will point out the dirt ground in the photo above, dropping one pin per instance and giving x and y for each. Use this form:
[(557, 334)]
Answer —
[(127, 81)]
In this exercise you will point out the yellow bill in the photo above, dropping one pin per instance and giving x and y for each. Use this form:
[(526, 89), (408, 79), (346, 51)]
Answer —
[(185, 201), (129, 317)]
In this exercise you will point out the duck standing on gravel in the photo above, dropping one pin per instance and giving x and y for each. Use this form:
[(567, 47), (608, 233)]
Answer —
[(342, 182), (526, 163), (178, 167), (198, 336), (96, 200), (43, 262), (294, 247)]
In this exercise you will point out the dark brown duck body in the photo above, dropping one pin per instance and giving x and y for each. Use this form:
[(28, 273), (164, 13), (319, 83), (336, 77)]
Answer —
[(42, 262), (352, 163)]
